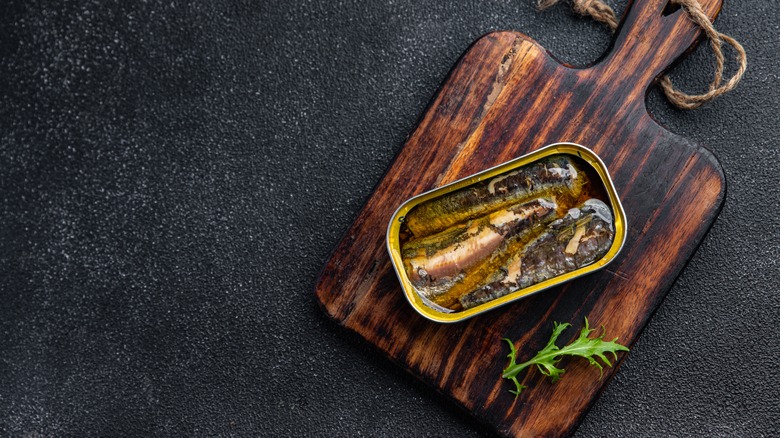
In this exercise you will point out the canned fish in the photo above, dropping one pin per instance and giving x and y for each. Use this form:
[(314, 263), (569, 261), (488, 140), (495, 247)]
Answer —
[(507, 232)]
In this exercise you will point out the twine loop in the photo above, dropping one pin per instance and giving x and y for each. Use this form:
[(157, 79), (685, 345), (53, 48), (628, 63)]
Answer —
[(601, 12)]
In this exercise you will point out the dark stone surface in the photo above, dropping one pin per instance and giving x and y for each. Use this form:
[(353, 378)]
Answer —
[(173, 176)]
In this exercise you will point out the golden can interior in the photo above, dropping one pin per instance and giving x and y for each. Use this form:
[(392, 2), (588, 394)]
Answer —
[(464, 248)]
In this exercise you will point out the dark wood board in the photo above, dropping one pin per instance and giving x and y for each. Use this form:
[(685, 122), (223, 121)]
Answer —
[(506, 97)]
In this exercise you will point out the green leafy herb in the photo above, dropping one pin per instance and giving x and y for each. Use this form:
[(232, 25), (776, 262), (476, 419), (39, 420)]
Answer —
[(547, 358)]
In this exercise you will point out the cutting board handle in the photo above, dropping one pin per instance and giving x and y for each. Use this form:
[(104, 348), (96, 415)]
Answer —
[(651, 37)]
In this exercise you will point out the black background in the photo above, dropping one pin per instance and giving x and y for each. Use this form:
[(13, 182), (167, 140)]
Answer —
[(173, 177)]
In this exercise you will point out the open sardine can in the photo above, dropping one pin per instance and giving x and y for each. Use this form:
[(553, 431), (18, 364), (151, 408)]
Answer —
[(506, 233)]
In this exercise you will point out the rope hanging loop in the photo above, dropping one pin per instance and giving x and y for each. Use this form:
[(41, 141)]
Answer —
[(603, 13)]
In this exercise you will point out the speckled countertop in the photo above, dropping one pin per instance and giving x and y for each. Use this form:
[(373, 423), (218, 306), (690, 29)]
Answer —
[(173, 176)]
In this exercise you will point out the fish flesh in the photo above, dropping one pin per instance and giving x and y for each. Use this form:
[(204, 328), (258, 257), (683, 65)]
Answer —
[(475, 275), (578, 239), (556, 175), (437, 262)]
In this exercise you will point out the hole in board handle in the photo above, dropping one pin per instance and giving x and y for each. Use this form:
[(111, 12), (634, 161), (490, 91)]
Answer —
[(670, 8)]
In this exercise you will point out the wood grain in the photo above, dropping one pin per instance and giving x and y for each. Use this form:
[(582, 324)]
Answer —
[(505, 97)]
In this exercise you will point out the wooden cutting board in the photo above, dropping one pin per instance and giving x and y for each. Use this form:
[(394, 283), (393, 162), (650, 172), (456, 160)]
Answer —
[(506, 97)]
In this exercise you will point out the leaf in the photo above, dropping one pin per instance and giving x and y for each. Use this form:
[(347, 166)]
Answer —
[(593, 349)]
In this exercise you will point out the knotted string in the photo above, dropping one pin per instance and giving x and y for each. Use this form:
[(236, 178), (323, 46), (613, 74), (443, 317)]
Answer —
[(601, 12)]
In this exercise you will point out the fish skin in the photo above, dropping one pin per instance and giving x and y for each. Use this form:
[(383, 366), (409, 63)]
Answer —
[(439, 263), (556, 175), (475, 275), (546, 256)]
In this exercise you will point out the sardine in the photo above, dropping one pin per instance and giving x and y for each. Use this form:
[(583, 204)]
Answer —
[(475, 275), (556, 176), (437, 262), (578, 239)]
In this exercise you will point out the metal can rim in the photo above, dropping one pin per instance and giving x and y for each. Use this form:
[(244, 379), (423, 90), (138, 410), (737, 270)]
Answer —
[(416, 301)]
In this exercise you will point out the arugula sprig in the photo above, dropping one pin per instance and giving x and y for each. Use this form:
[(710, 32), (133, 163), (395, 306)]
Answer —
[(547, 358)]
